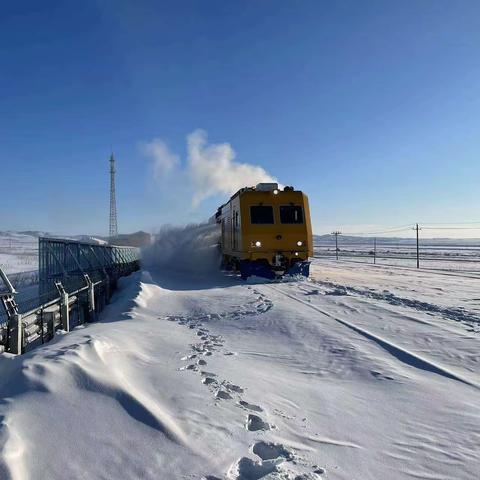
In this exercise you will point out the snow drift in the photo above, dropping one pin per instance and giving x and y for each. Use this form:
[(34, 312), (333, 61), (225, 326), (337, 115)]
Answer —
[(354, 377)]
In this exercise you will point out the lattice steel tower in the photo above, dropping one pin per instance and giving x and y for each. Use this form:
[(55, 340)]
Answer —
[(113, 203)]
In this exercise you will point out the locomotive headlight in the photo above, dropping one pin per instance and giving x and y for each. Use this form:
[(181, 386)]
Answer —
[(299, 243), (275, 192), (258, 243), (296, 254)]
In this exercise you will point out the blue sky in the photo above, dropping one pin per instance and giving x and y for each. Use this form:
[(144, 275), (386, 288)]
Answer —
[(371, 107)]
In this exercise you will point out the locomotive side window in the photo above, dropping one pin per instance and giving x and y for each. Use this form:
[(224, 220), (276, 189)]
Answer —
[(291, 214), (261, 215)]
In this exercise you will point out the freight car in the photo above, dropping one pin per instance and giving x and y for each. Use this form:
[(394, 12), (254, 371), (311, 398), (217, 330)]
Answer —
[(266, 231)]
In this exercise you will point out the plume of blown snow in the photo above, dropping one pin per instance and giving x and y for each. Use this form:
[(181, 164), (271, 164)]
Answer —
[(163, 160), (213, 169), (192, 249)]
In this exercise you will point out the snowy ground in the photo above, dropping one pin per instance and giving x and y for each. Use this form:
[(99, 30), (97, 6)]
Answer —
[(360, 373), (18, 252), (435, 253), (441, 262)]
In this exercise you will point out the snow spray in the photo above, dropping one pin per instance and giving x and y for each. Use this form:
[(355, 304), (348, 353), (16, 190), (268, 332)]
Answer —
[(190, 249)]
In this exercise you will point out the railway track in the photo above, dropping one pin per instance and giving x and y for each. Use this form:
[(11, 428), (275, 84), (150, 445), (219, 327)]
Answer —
[(403, 355)]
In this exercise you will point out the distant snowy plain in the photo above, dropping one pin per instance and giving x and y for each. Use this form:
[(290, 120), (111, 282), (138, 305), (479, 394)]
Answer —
[(18, 252)]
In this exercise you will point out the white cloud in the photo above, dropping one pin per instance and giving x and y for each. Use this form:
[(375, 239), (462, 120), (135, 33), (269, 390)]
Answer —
[(212, 169), (163, 161), (209, 169)]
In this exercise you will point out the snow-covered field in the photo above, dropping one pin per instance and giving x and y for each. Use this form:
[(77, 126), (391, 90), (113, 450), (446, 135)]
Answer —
[(361, 373), (435, 253), (467, 263), (18, 252)]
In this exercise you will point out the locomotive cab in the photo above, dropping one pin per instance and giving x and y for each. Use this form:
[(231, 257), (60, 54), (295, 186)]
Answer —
[(266, 231)]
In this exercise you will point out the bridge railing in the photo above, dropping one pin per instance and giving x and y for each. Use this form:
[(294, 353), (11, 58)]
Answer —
[(75, 282)]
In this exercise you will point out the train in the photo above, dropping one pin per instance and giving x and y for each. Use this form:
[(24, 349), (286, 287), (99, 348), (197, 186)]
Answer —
[(266, 231)]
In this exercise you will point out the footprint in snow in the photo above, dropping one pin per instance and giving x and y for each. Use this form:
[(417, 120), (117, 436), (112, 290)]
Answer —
[(233, 388), (255, 423), (223, 395), (250, 406), (208, 381), (272, 458), (270, 451), (248, 469)]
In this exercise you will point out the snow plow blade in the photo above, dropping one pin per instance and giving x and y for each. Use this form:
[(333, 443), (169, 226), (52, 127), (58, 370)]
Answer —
[(264, 270), (300, 268)]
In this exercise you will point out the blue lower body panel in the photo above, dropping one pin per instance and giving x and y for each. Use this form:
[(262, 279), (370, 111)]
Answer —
[(258, 269), (261, 269)]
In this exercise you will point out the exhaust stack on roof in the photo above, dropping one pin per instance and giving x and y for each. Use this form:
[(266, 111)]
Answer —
[(266, 187)]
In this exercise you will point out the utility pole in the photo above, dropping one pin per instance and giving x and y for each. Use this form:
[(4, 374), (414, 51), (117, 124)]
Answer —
[(336, 233), (418, 248), (374, 250)]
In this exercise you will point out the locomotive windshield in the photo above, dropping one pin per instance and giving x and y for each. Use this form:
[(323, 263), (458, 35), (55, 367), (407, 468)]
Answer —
[(261, 215), (291, 214)]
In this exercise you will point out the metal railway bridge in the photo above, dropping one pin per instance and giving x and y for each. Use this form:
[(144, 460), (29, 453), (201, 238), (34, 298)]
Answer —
[(75, 281)]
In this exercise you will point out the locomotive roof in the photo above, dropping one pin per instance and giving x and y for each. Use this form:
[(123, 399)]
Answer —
[(251, 189)]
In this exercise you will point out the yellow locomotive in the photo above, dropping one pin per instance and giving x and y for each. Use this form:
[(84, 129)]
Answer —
[(266, 231)]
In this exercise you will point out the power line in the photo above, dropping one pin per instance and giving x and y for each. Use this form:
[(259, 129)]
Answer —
[(449, 223), (388, 230), (451, 228), (404, 228)]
